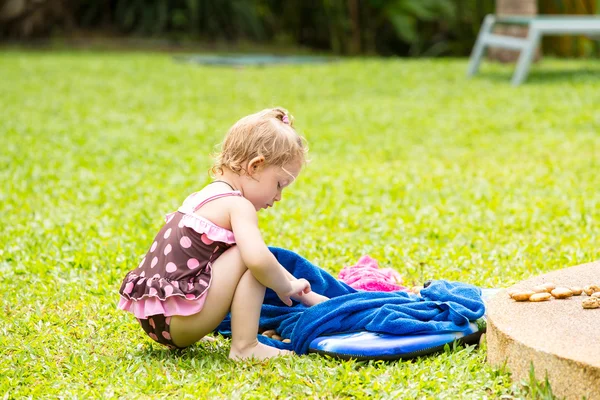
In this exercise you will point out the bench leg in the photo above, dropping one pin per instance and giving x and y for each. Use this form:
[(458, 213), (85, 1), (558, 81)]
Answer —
[(479, 48), (526, 56)]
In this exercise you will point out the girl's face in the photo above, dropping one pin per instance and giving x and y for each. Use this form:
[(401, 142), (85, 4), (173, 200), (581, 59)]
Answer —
[(264, 187)]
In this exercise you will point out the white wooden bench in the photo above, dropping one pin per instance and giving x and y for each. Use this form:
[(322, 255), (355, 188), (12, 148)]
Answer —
[(539, 26)]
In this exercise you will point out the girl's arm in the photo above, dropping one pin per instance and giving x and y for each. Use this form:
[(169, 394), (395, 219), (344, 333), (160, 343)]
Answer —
[(257, 257)]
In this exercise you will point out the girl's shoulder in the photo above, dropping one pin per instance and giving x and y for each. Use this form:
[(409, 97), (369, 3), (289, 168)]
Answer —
[(214, 204), (208, 194)]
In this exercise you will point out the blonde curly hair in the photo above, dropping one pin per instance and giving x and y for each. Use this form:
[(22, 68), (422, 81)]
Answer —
[(269, 133)]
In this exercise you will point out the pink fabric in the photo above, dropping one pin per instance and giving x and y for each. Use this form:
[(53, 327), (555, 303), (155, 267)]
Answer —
[(202, 225), (366, 275), (174, 305)]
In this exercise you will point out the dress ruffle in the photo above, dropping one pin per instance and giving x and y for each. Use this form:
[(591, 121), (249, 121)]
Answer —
[(144, 297), (203, 226), (140, 287), (174, 305)]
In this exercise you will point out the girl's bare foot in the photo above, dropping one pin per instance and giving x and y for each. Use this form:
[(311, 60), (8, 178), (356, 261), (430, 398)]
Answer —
[(256, 350)]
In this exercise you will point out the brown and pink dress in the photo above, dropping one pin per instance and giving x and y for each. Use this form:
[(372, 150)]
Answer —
[(174, 276)]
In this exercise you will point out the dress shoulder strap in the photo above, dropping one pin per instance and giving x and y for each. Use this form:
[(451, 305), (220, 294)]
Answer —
[(217, 196)]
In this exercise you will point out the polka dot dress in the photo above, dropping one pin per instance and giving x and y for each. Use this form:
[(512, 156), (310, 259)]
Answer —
[(178, 263)]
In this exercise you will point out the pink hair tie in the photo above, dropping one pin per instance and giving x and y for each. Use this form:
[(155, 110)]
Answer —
[(285, 120)]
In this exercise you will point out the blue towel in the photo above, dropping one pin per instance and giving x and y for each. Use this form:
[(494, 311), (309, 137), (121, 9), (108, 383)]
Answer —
[(442, 307)]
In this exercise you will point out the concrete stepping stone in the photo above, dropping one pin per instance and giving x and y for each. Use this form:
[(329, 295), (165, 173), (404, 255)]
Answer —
[(560, 337)]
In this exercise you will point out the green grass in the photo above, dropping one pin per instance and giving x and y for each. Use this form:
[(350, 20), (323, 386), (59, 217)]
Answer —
[(430, 173)]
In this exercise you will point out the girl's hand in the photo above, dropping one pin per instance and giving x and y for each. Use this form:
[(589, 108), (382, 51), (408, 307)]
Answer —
[(300, 287), (311, 299)]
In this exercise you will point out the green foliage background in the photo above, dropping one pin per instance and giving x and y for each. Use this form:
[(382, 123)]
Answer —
[(385, 27)]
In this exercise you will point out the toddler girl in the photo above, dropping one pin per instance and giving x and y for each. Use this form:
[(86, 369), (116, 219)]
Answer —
[(209, 258)]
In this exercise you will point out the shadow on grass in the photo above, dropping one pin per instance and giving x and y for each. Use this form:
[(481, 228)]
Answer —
[(217, 350), (586, 75)]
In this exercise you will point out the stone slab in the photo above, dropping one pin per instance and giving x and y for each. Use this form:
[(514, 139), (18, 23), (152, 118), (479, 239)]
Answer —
[(560, 337)]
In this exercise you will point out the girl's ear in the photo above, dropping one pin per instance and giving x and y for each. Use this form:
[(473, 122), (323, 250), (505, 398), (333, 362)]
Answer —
[(255, 165)]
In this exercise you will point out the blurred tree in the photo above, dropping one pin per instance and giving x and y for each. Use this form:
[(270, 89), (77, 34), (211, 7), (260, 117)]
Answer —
[(34, 18), (387, 27), (506, 8)]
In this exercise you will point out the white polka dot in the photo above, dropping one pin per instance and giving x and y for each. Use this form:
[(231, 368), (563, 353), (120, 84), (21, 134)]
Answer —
[(156, 277), (170, 218), (154, 262), (185, 242), (192, 263), (167, 249), (152, 292), (143, 273), (175, 284), (167, 233), (142, 262), (180, 224), (171, 267), (153, 247), (141, 281), (168, 290)]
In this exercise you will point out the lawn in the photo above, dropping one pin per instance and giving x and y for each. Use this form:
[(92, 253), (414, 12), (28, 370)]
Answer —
[(430, 173)]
